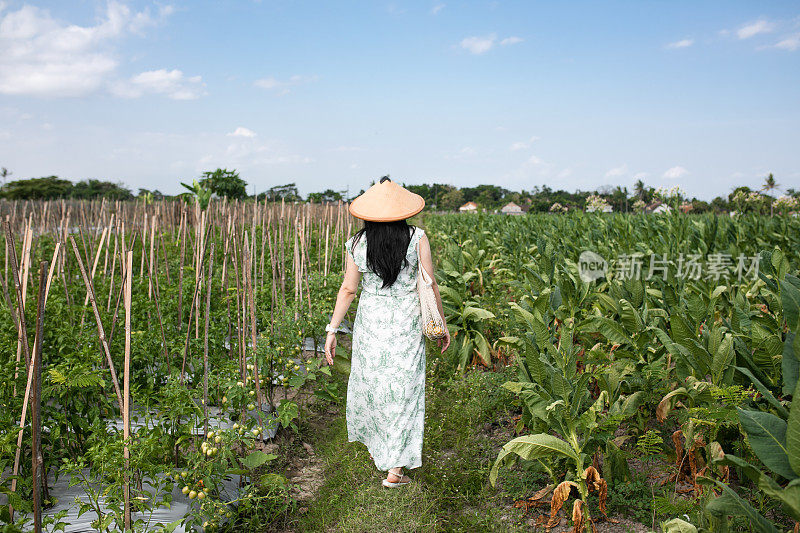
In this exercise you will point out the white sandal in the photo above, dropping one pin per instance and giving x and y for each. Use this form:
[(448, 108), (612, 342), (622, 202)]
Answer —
[(389, 485)]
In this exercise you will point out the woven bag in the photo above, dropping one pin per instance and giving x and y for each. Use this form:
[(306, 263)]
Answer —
[(432, 323)]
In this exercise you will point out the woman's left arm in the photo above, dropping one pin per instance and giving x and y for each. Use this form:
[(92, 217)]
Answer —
[(426, 260), (347, 292)]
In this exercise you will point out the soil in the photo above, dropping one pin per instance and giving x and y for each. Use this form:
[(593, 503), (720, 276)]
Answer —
[(306, 475), (306, 470), (619, 525)]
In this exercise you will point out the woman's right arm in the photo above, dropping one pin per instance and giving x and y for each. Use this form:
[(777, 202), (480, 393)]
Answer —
[(426, 260), (347, 292)]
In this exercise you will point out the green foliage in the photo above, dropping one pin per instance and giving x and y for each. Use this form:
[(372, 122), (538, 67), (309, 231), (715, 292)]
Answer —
[(326, 196), (37, 189), (225, 184), (279, 193), (52, 187), (200, 193)]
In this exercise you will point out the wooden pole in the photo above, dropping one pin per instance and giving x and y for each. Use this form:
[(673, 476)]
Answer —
[(205, 333), (36, 402), (100, 331), (182, 232), (253, 333), (126, 410)]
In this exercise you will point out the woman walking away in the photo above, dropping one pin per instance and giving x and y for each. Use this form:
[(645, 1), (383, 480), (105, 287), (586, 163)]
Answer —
[(386, 389)]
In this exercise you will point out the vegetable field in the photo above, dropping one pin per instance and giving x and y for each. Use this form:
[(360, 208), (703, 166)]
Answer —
[(688, 374), (154, 352), (150, 350)]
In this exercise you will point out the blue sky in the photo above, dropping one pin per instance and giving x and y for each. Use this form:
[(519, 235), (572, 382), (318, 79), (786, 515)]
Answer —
[(573, 95)]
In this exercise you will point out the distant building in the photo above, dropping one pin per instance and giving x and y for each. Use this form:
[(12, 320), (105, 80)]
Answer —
[(469, 207), (511, 209), (686, 207)]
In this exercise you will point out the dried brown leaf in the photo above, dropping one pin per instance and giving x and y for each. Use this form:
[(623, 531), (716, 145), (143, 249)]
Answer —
[(539, 494), (578, 522), (560, 495), (599, 485)]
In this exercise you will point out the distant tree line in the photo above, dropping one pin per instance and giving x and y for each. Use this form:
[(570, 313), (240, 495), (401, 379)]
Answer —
[(224, 183), (444, 197), (53, 187)]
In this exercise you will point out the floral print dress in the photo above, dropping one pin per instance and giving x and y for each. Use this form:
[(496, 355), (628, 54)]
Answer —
[(386, 389)]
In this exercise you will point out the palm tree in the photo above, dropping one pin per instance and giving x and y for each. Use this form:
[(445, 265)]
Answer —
[(640, 190), (769, 185)]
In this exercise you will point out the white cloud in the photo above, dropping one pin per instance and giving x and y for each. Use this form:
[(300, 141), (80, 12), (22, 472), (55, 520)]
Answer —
[(480, 45), (535, 161), (754, 28), (146, 19), (435, 9), (616, 172), (790, 43), (511, 40), (43, 56), (522, 145), (284, 86), (170, 83), (241, 131), (675, 172), (640, 176), (683, 43)]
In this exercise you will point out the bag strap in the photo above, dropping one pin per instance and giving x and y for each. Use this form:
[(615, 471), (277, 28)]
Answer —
[(422, 272)]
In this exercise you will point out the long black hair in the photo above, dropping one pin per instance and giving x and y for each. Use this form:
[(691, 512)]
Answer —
[(387, 243)]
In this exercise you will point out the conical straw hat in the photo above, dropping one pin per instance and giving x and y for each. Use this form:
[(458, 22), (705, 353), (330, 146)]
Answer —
[(386, 202)]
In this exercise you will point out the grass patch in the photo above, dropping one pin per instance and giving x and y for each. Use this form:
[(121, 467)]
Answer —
[(466, 423)]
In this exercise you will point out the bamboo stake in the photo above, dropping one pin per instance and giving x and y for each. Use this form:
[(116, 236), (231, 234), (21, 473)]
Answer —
[(94, 265), (253, 333), (22, 330), (126, 411), (191, 314), (113, 268), (182, 232), (144, 242), (36, 402), (157, 297), (100, 331), (205, 334), (29, 370)]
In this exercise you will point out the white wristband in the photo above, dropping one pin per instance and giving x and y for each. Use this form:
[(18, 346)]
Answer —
[(331, 329)]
